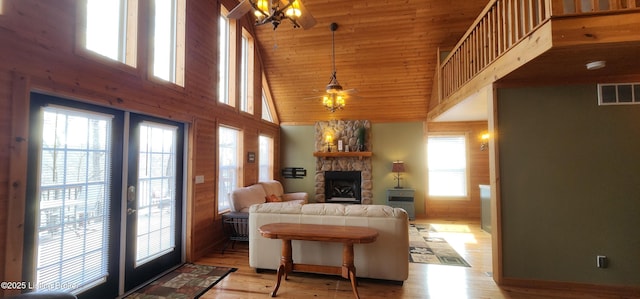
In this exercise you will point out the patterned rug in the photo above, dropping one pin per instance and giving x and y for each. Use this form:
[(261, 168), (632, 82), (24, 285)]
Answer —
[(188, 281), (426, 247)]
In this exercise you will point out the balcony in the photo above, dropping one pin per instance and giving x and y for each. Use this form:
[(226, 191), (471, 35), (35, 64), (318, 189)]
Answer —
[(537, 41)]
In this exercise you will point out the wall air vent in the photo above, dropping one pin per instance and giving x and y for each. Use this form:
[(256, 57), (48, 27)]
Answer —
[(618, 94)]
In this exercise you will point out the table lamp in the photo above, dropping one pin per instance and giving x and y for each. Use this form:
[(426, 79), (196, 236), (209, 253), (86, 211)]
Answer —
[(398, 167)]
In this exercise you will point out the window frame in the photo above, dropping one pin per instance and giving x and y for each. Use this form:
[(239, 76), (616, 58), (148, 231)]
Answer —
[(128, 52), (271, 158), (467, 174), (177, 51), (229, 94), (239, 167), (247, 72), (267, 102)]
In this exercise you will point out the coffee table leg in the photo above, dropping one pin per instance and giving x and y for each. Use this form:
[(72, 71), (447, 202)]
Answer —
[(286, 264)]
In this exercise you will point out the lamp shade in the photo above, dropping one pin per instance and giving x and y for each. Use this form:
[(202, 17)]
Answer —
[(398, 166)]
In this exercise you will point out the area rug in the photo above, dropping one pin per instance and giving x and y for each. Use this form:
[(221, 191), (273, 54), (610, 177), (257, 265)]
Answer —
[(426, 247), (187, 281)]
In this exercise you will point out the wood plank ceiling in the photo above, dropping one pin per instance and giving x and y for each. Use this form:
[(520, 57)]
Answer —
[(386, 49)]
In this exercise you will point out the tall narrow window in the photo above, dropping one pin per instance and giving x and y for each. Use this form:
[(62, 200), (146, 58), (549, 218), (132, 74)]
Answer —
[(75, 178), (223, 58), (268, 108), (111, 29), (266, 111), (168, 38), (230, 165), (246, 73), (265, 158), (447, 165)]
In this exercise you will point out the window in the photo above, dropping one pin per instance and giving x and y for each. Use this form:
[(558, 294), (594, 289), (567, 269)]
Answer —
[(267, 103), (265, 158), (246, 73), (168, 38), (110, 29), (266, 111), (229, 165), (619, 94), (447, 165), (224, 64)]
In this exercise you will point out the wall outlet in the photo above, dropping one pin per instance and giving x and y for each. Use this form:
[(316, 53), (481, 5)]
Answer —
[(602, 261), (199, 179)]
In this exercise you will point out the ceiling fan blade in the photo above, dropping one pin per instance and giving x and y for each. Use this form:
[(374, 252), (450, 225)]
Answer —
[(306, 20), (240, 10), (350, 91)]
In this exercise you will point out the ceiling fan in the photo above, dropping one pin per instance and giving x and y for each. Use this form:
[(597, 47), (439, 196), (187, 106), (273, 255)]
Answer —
[(335, 96), (274, 12)]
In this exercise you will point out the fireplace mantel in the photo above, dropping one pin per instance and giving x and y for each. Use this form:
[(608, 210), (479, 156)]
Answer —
[(342, 154)]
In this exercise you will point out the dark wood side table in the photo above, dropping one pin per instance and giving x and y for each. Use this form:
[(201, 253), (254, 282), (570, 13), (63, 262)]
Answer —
[(347, 235)]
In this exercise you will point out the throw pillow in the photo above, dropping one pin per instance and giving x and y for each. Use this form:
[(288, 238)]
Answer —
[(273, 198)]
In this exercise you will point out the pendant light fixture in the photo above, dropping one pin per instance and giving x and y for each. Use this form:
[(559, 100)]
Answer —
[(274, 12), (335, 96)]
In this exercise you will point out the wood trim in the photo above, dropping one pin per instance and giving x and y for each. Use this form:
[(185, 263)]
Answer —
[(191, 191), (592, 289), (342, 154), (494, 182), (17, 177)]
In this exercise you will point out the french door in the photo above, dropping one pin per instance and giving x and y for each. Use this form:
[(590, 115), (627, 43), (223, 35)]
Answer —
[(153, 191), (97, 177)]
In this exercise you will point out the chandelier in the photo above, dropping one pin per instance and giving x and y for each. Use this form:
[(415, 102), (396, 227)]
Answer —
[(334, 99), (274, 12)]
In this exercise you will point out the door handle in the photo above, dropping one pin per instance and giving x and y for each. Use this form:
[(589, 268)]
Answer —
[(131, 193), (131, 211)]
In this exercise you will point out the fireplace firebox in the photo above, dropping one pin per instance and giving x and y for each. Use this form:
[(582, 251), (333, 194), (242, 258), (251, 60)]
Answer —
[(343, 187)]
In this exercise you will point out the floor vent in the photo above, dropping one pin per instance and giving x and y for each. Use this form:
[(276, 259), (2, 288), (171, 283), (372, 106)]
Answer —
[(618, 94)]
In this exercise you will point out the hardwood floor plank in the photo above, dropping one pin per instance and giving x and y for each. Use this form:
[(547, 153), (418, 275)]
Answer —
[(425, 281)]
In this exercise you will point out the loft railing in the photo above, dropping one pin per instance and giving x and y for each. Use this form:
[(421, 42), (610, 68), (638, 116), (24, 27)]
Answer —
[(500, 26)]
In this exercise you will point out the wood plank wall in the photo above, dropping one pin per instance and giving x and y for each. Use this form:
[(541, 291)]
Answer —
[(478, 167), (38, 42)]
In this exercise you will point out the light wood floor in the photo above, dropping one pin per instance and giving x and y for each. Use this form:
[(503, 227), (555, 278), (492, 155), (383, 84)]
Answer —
[(425, 281)]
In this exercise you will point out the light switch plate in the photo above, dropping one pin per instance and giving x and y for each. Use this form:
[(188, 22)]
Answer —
[(199, 179)]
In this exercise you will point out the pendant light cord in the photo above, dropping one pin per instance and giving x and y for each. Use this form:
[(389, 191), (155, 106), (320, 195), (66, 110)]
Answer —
[(333, 28)]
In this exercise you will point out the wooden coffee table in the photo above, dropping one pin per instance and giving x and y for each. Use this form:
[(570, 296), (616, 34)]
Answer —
[(347, 235)]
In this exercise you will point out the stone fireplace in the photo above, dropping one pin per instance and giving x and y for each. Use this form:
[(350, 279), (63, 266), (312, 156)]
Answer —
[(343, 164)]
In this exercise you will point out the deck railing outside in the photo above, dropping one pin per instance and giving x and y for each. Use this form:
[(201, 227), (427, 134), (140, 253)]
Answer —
[(500, 26)]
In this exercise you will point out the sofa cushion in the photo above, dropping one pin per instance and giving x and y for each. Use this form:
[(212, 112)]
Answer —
[(272, 187), (335, 209), (243, 198), (285, 207)]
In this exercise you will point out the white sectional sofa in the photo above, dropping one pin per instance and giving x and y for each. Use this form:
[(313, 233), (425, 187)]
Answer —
[(243, 198), (387, 258)]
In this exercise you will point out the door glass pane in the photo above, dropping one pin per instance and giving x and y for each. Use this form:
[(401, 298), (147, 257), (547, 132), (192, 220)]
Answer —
[(156, 191), (75, 176)]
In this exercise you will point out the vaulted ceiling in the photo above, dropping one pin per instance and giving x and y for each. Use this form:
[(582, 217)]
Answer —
[(386, 49)]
